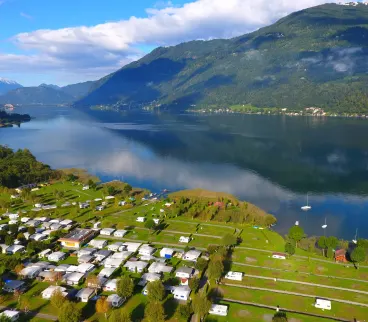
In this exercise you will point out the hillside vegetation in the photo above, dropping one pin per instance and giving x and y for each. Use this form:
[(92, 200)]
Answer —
[(314, 57)]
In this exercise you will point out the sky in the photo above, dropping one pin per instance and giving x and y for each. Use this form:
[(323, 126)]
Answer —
[(69, 41)]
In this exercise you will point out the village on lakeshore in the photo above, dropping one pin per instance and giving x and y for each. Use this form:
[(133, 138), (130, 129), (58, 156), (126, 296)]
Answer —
[(73, 249)]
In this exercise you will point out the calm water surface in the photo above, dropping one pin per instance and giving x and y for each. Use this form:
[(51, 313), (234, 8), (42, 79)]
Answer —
[(270, 161)]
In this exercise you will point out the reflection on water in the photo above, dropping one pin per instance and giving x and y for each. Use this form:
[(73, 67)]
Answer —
[(270, 161)]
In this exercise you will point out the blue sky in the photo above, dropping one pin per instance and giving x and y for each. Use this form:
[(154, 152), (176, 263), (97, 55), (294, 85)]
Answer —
[(69, 41)]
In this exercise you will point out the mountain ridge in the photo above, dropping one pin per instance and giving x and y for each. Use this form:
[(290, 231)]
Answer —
[(313, 57), (8, 85)]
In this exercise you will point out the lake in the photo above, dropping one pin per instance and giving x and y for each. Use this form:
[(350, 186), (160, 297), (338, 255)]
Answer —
[(271, 161)]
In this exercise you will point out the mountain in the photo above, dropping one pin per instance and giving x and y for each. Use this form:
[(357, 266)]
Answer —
[(314, 57), (7, 85), (36, 95), (78, 90), (46, 94), (50, 86)]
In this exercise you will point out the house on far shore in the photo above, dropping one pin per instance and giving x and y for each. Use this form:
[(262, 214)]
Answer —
[(11, 315), (340, 255), (115, 300)]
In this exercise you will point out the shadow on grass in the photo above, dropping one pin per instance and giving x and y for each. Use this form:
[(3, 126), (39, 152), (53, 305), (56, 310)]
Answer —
[(138, 312), (170, 307)]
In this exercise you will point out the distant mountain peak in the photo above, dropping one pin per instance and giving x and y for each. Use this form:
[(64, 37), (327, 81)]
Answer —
[(49, 86), (8, 81)]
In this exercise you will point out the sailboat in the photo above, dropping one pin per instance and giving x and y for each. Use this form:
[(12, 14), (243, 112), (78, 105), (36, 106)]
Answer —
[(307, 207), (355, 240), (325, 225)]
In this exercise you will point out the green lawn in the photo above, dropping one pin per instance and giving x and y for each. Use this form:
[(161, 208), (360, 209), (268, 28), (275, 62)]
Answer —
[(238, 312), (292, 302)]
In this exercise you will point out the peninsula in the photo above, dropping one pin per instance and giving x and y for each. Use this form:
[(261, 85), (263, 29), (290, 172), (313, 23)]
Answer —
[(10, 119)]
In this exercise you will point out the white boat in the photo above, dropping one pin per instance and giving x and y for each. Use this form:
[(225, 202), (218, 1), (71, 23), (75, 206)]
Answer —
[(355, 240), (307, 207), (325, 225)]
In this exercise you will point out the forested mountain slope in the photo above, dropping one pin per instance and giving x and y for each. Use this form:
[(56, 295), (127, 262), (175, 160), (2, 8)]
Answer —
[(314, 57)]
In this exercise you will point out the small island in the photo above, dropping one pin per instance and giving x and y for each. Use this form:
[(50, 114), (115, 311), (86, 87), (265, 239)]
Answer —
[(10, 119)]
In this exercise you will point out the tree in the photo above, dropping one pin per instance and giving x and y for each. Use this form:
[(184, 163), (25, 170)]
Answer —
[(24, 304), (194, 284), (201, 264), (201, 305), (13, 229), (8, 240), (270, 220), (18, 268), (279, 317), (290, 249), (150, 224), (119, 316), (31, 230), (156, 291), (57, 299), (212, 249), (332, 242), (92, 184), (330, 252), (111, 190), (215, 269), (125, 287), (4, 318), (69, 312), (322, 243), (127, 188), (183, 312), (93, 281), (229, 240), (21, 237), (296, 233), (154, 312), (103, 306), (358, 255)]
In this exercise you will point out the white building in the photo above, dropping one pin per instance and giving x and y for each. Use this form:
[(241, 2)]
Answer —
[(107, 272), (44, 253), (12, 315), (115, 300), (132, 247), (56, 256), (184, 239), (192, 255), (146, 250), (181, 293), (101, 255), (13, 249), (30, 272), (111, 285), (120, 233), (98, 243), (38, 237), (116, 246), (107, 231), (322, 304), (141, 219), (122, 255), (47, 293), (113, 262), (235, 276), (133, 266), (184, 272), (217, 309), (86, 251), (73, 278), (85, 294), (85, 268), (149, 277), (159, 268), (66, 222), (167, 252)]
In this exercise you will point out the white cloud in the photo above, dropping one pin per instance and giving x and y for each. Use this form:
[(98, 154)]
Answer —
[(105, 47), (25, 15)]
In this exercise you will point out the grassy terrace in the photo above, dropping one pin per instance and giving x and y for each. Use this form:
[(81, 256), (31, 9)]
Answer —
[(292, 302)]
